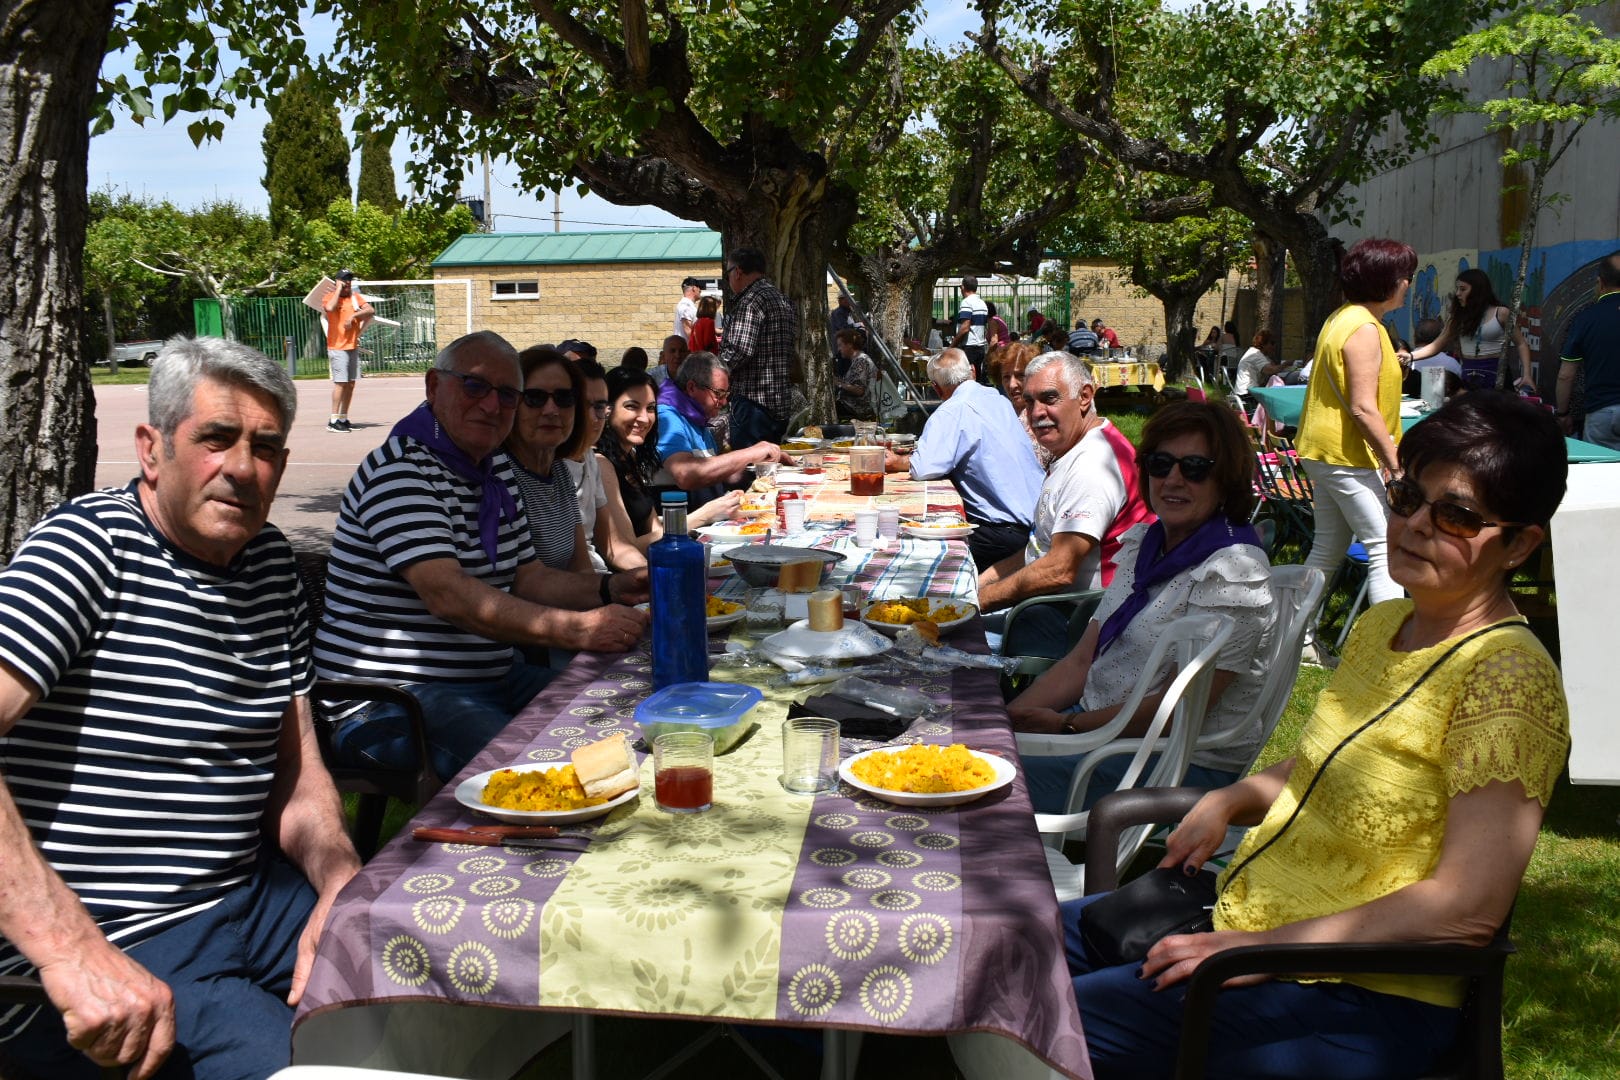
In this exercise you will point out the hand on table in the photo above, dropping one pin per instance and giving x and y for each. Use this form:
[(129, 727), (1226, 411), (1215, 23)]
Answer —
[(614, 628), (1036, 720), (311, 937), (629, 586), (1173, 959), (115, 1011), (716, 509)]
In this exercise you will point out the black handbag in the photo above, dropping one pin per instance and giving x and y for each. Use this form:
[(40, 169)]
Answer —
[(1122, 926)]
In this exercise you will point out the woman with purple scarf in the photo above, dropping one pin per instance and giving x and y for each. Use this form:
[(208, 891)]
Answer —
[(1200, 556)]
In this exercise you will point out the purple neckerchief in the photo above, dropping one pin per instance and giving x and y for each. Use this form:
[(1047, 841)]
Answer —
[(495, 505), (1154, 565), (676, 398)]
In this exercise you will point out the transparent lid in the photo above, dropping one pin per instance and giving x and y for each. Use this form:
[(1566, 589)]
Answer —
[(703, 704)]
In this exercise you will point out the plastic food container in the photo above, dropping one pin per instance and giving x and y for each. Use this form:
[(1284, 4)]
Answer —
[(718, 709)]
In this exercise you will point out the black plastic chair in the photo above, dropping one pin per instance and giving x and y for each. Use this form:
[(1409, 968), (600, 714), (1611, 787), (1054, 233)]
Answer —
[(375, 785), (1477, 1053)]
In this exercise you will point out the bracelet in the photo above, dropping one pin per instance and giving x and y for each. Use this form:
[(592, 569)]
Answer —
[(605, 590)]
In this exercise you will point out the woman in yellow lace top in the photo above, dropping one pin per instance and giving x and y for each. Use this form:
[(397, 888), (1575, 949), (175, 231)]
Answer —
[(1416, 827)]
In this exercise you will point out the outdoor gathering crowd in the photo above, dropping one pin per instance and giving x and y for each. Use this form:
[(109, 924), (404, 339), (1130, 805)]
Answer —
[(173, 840)]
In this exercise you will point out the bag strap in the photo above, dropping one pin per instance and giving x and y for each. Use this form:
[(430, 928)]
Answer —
[(1391, 707)]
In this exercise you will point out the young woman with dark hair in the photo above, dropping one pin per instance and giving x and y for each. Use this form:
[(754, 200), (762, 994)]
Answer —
[(1477, 332)]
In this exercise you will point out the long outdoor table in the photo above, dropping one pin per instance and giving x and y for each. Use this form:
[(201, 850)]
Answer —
[(1285, 403), (837, 912)]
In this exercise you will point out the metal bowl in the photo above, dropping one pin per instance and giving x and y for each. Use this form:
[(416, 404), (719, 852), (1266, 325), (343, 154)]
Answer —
[(760, 564)]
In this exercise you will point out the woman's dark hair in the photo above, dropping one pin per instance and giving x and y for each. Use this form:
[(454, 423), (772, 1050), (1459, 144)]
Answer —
[(1512, 450), (634, 357), (1465, 318), (536, 357), (1370, 270), (636, 466), (708, 307), (1233, 474)]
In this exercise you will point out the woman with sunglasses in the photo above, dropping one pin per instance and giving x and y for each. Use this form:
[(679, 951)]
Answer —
[(1201, 556), (544, 436), (626, 446), (1410, 808), (1352, 413)]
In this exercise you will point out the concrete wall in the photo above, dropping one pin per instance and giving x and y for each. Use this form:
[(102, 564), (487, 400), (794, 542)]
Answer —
[(1101, 291)]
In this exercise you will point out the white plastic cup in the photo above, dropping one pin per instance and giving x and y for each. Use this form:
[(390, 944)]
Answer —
[(889, 523), (810, 755), (793, 515), (866, 528), (1434, 387)]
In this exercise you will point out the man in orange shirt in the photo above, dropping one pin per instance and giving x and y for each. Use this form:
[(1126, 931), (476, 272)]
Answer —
[(347, 313)]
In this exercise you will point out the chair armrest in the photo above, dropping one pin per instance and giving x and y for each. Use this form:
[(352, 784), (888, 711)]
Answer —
[(1033, 745), (428, 782), (1118, 811), (1385, 958)]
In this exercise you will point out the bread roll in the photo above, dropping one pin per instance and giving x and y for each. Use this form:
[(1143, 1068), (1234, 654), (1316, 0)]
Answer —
[(607, 768), (799, 576), (827, 610)]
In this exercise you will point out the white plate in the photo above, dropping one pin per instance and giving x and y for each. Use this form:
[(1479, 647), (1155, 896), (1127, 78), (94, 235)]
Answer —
[(937, 532), (722, 566), (715, 622), (855, 641), (732, 531), (1004, 771), (797, 478), (470, 793), (934, 604)]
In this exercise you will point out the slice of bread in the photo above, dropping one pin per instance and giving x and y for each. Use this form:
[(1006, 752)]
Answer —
[(607, 768)]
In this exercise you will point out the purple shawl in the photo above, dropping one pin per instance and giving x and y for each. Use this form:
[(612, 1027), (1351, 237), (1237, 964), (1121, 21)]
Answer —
[(1154, 566), (673, 396), (495, 505)]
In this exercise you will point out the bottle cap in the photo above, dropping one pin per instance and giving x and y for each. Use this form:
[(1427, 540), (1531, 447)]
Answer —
[(669, 497)]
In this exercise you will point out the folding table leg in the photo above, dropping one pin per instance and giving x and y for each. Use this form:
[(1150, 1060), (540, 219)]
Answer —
[(584, 1046)]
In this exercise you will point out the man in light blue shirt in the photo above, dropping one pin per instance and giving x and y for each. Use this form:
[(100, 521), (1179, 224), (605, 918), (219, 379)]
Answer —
[(976, 439)]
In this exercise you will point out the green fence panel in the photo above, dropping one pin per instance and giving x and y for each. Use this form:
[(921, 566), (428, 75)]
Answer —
[(205, 317), (1013, 301), (402, 340)]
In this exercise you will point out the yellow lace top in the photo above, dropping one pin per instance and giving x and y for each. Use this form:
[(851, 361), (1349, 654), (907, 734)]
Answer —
[(1376, 822)]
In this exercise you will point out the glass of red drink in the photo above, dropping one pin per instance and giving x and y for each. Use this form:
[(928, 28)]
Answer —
[(683, 771)]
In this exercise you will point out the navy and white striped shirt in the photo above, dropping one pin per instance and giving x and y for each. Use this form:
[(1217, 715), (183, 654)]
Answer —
[(144, 768), (404, 506)]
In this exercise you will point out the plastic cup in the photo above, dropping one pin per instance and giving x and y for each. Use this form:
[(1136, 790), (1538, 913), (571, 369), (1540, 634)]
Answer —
[(866, 528), (810, 755), (889, 523), (1433, 380), (683, 772), (793, 515)]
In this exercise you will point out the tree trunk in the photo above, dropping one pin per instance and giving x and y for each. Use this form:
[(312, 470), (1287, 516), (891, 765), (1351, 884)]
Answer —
[(111, 331), (1270, 272), (1316, 256), (50, 52), (1180, 328)]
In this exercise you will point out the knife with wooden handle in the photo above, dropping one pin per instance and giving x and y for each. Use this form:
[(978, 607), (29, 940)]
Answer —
[(537, 836)]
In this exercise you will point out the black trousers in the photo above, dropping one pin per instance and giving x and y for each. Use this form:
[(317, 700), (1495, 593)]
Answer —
[(990, 542)]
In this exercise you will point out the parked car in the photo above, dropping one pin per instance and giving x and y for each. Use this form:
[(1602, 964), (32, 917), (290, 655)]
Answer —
[(136, 352)]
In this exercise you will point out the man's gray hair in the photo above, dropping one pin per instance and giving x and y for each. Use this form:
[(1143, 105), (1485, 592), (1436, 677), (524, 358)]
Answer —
[(183, 362), (949, 368), (478, 339), (699, 367), (1076, 375)]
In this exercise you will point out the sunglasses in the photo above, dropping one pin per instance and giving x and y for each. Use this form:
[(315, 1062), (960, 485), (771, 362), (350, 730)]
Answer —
[(1454, 519), (477, 389), (1194, 467), (536, 399)]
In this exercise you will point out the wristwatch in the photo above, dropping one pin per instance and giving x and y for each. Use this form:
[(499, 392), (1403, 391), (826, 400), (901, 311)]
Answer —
[(605, 590)]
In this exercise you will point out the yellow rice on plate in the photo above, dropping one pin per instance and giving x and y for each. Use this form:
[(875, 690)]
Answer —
[(714, 606), (537, 789), (924, 770), (904, 612)]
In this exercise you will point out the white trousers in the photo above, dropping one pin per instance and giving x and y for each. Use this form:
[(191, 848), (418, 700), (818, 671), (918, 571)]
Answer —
[(1349, 502)]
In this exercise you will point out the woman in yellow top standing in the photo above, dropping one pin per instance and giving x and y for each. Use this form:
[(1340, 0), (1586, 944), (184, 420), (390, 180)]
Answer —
[(1352, 415), (1419, 782)]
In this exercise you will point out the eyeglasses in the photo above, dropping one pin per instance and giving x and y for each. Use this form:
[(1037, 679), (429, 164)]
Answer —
[(1454, 519), (536, 399), (1194, 467), (719, 395), (477, 389), (600, 408)]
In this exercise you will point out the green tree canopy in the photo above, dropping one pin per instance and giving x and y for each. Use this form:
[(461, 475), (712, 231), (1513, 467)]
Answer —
[(376, 184), (306, 157)]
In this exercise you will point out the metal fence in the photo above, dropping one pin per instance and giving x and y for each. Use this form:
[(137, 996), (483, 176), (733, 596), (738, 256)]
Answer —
[(1013, 301), (282, 325)]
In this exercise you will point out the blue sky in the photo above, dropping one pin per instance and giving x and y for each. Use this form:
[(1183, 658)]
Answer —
[(158, 160)]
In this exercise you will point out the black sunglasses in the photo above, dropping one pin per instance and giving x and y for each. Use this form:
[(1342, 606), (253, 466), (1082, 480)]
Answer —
[(1194, 467), (1455, 519), (536, 399), (477, 389)]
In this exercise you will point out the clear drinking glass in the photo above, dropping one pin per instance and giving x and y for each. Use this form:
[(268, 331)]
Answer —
[(810, 755), (683, 771)]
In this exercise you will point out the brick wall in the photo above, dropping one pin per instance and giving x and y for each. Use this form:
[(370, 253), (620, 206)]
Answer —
[(1102, 292)]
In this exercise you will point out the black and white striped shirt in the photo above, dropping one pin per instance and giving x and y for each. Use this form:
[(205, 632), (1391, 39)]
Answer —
[(404, 506), (144, 767), (552, 503)]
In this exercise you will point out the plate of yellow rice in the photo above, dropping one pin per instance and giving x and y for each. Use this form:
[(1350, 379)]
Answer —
[(926, 774), (535, 794)]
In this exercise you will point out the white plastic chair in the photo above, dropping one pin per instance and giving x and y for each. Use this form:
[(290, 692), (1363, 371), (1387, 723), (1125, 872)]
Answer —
[(1192, 643)]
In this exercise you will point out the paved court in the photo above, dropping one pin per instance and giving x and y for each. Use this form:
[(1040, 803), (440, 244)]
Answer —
[(321, 461)]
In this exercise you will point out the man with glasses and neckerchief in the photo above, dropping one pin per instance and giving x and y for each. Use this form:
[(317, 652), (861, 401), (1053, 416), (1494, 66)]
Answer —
[(433, 576), (689, 458)]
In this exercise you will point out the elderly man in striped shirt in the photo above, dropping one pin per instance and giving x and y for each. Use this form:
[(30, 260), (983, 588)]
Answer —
[(170, 838)]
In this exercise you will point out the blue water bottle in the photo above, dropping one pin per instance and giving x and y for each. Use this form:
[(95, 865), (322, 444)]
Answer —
[(680, 624)]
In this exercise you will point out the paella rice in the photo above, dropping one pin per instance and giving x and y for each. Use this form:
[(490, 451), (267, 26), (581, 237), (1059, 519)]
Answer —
[(537, 789), (714, 606), (924, 769)]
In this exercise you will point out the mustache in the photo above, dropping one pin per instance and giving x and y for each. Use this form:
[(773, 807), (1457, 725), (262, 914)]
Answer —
[(1041, 424)]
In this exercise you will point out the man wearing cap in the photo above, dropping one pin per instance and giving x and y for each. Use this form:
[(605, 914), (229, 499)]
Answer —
[(686, 307), (575, 349), (347, 313)]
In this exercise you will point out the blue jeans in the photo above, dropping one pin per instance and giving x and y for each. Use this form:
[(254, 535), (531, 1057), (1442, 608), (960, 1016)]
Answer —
[(1325, 1031), (1603, 427), (461, 718), (230, 969), (751, 424), (1048, 779)]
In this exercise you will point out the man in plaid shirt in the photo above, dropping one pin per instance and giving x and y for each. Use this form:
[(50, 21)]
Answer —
[(759, 346)]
